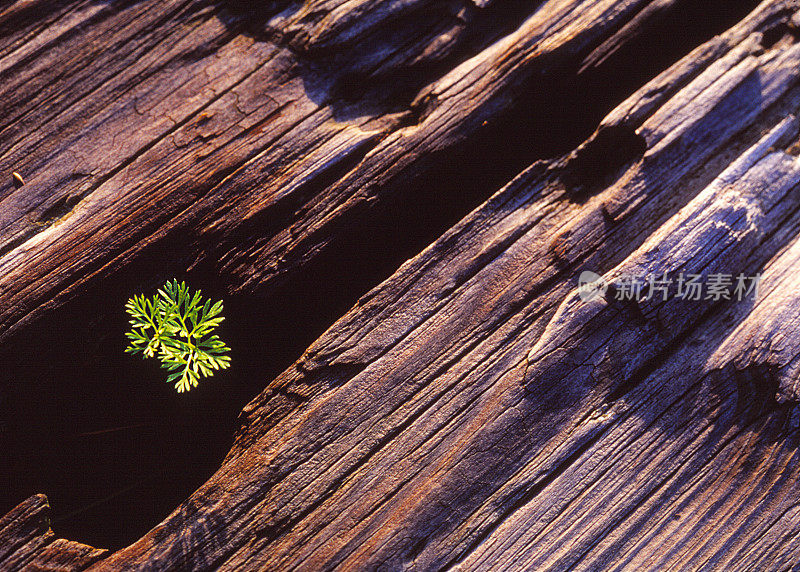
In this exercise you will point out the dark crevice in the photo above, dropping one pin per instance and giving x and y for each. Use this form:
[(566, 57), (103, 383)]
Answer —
[(783, 31), (252, 15), (596, 163), (62, 206)]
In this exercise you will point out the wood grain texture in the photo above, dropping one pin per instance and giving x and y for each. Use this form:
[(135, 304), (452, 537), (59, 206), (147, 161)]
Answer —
[(470, 412), (29, 544), (180, 143)]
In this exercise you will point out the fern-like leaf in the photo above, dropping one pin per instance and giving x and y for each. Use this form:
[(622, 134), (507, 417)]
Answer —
[(175, 326)]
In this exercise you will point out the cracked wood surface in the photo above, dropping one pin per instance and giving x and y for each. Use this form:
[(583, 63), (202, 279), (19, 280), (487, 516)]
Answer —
[(29, 543), (182, 142), (470, 412)]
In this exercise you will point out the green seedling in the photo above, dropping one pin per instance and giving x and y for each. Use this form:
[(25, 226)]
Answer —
[(175, 327)]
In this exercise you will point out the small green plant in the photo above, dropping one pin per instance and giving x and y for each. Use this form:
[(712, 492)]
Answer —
[(175, 327)]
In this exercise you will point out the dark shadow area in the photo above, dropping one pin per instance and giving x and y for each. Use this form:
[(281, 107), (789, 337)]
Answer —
[(112, 445), (116, 449), (598, 161)]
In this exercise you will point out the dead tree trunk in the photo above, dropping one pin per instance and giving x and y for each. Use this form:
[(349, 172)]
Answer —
[(470, 410)]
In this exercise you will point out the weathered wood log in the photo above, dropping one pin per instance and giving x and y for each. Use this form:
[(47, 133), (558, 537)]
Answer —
[(171, 67), (472, 411), (27, 543)]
